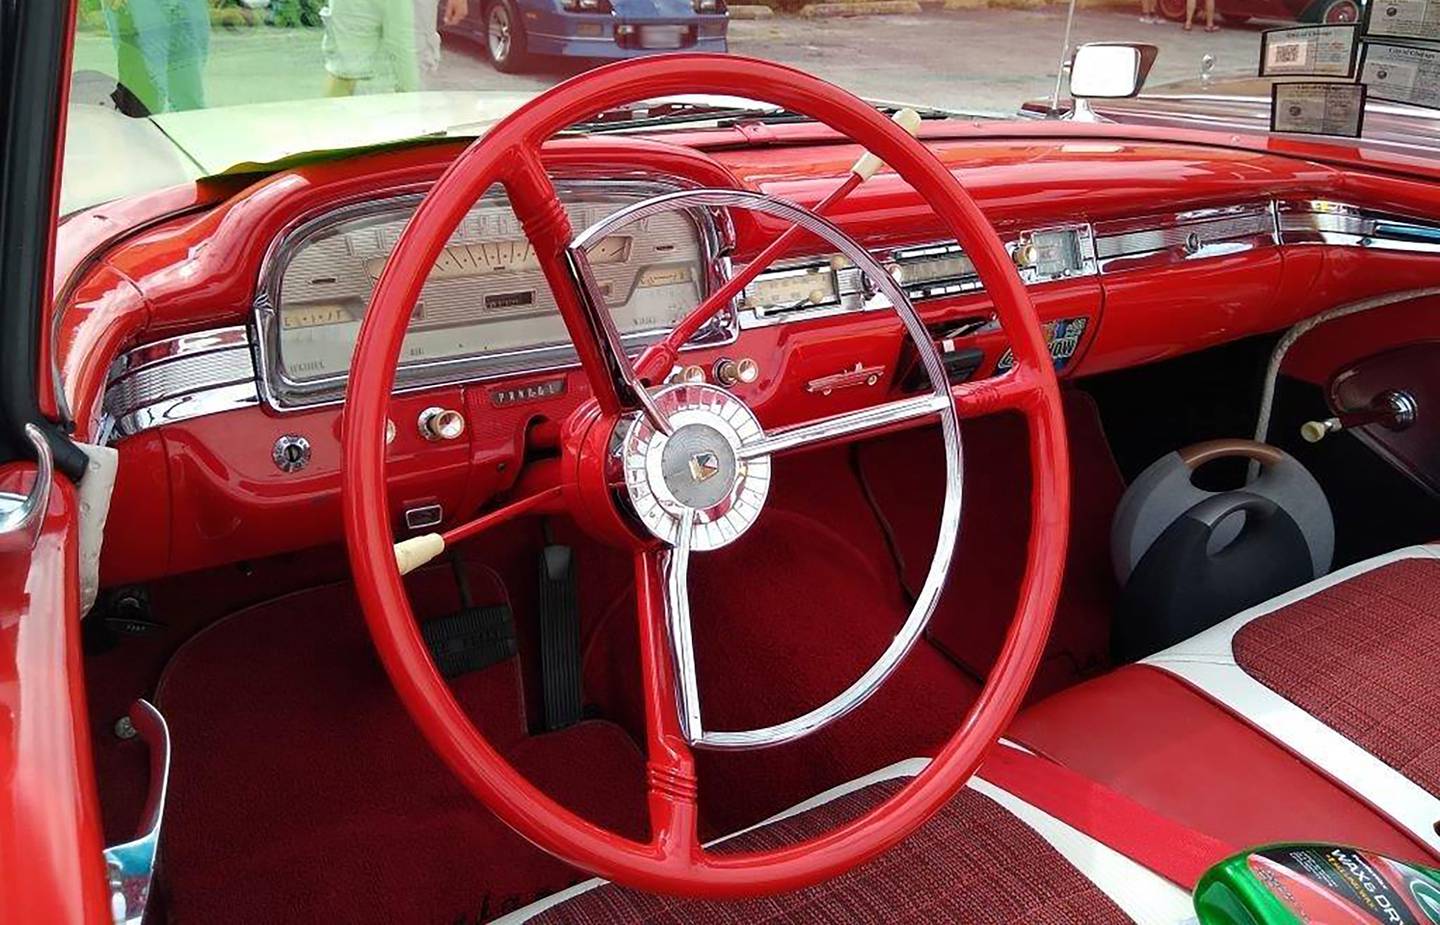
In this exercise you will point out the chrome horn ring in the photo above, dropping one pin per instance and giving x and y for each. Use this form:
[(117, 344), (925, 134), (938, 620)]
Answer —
[(711, 425)]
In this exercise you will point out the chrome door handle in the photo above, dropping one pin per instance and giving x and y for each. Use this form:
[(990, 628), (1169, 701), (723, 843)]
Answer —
[(22, 515)]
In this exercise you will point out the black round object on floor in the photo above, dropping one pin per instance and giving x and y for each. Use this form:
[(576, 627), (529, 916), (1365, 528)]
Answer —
[(1181, 587)]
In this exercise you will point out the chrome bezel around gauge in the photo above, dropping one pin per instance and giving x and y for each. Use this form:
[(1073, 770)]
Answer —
[(284, 393)]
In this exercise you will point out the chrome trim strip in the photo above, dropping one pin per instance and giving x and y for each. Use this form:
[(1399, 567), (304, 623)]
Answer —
[(22, 516), (131, 865), (286, 395), (857, 296), (178, 379), (1154, 240), (182, 408), (1323, 221), (209, 372)]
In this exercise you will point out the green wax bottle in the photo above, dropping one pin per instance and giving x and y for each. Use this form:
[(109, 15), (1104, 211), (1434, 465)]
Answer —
[(1317, 884)]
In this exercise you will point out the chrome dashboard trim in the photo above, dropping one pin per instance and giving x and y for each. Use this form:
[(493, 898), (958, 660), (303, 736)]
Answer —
[(858, 296), (209, 372), (1323, 221), (286, 395), (1175, 237), (177, 379)]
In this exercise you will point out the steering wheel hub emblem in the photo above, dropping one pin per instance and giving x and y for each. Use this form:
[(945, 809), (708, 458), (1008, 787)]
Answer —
[(695, 474)]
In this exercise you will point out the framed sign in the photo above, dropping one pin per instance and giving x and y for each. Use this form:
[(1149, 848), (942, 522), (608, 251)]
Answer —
[(1318, 108), (1403, 19), (1402, 73), (1310, 51)]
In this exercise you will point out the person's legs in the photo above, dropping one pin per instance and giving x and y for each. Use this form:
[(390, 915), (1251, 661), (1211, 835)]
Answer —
[(189, 48), (139, 51), (1189, 14), (352, 40), (411, 41), (1210, 15)]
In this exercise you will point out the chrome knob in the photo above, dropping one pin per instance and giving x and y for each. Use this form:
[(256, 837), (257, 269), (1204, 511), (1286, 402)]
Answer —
[(728, 371), (291, 453), (389, 431), (438, 424)]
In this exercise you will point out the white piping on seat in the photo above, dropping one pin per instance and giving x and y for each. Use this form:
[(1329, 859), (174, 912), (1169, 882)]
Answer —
[(1207, 661)]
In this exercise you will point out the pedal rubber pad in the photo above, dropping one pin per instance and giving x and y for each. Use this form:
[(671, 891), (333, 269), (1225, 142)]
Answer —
[(559, 638), (472, 639)]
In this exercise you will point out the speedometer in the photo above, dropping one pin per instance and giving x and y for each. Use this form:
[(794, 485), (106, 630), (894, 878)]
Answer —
[(485, 308)]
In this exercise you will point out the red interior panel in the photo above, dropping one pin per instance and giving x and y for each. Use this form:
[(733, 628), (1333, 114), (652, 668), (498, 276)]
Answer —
[(1153, 738)]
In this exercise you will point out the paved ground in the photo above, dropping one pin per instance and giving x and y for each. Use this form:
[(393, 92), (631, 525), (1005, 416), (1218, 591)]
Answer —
[(979, 60)]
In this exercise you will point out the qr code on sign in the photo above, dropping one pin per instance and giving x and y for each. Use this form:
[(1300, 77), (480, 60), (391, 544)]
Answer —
[(1290, 53)]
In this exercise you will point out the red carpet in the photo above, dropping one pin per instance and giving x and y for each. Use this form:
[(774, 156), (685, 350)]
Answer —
[(301, 792), (980, 597)]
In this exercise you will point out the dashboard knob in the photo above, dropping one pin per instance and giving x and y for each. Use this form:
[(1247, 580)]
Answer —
[(438, 424), (693, 374), (728, 371), (291, 453), (1025, 255)]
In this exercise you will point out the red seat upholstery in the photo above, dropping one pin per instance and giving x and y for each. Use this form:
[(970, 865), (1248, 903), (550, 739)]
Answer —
[(1249, 731), (988, 857)]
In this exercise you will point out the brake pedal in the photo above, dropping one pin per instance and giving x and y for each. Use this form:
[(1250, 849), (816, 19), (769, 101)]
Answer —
[(472, 638), (559, 638)]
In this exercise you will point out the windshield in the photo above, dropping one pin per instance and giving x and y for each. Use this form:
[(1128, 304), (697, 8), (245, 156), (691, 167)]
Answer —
[(191, 88)]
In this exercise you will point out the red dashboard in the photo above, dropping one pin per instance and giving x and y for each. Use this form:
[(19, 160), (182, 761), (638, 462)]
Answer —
[(1188, 246)]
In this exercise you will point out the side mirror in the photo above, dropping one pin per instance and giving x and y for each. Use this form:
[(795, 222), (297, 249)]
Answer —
[(1110, 70)]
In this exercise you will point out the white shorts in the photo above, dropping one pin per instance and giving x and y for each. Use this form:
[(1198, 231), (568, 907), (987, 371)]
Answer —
[(358, 31)]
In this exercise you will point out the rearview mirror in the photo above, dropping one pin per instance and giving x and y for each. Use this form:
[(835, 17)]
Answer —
[(1110, 70)]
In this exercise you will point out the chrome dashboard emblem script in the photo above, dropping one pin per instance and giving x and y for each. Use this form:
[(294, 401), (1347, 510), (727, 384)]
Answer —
[(695, 472)]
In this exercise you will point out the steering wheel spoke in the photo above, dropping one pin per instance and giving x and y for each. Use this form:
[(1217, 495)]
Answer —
[(579, 298), (872, 420), (666, 662), (1015, 390)]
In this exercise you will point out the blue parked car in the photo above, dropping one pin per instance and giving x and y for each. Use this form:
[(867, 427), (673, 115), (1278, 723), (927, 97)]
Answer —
[(514, 31)]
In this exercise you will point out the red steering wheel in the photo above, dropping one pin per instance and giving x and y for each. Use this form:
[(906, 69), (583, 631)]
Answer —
[(672, 860)]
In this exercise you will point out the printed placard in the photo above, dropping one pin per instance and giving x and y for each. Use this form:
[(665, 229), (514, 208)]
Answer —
[(1402, 73), (1310, 51), (1317, 108), (1403, 19)]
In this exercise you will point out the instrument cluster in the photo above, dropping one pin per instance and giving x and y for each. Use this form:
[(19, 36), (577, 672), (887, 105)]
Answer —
[(486, 309)]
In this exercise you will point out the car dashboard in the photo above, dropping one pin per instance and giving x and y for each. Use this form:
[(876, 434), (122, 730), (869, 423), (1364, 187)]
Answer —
[(211, 347)]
